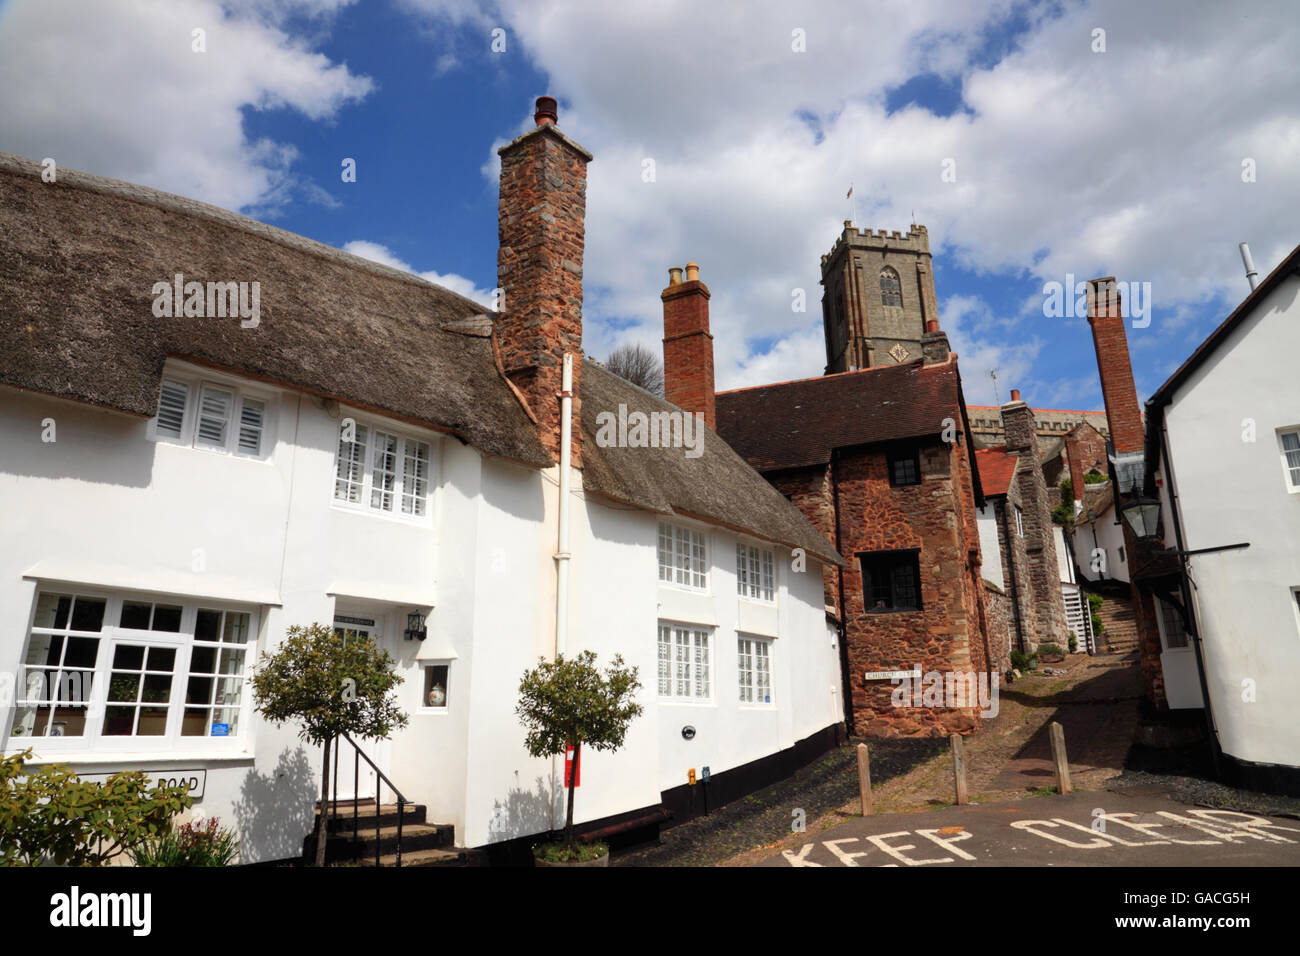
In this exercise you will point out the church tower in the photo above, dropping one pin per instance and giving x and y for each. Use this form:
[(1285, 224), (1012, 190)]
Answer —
[(878, 300)]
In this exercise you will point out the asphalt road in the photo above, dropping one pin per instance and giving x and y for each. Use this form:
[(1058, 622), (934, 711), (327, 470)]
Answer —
[(1089, 828)]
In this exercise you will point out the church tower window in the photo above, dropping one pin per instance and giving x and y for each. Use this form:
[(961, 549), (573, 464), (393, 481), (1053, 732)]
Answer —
[(891, 290)]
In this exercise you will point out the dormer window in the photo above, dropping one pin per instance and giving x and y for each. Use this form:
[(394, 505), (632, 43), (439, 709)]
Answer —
[(212, 415), (891, 289)]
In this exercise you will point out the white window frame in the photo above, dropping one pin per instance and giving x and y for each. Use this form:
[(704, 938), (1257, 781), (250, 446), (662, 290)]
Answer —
[(368, 490), (110, 636), (240, 394), (1292, 482), (689, 543), (750, 649), (682, 643), (425, 707), (1020, 521), (755, 573)]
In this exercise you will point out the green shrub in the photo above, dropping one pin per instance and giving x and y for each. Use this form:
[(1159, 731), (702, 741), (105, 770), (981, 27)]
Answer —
[(1050, 650), (1024, 662), (190, 845), (563, 853), (1074, 642), (48, 815), (1092, 478), (1094, 609)]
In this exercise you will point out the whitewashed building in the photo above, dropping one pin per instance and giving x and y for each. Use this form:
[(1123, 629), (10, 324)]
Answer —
[(1223, 455), (357, 446)]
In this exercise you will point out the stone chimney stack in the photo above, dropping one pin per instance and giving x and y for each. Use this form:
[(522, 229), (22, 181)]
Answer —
[(934, 343), (688, 344), (1039, 531), (539, 269), (1123, 413)]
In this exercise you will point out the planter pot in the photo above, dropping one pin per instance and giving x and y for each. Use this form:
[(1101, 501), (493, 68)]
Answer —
[(1052, 659), (602, 860)]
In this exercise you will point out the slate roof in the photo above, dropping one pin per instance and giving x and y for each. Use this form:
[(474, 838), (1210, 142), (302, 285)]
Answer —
[(797, 424)]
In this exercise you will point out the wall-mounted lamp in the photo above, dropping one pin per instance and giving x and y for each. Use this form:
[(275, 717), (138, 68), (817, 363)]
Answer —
[(415, 629)]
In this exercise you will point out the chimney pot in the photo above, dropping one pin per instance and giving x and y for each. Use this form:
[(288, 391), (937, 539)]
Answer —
[(932, 325), (1015, 394), (675, 276), (692, 272), (547, 111)]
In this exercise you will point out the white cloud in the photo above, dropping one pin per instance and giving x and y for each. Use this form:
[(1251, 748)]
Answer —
[(115, 88), (377, 252), (1126, 162)]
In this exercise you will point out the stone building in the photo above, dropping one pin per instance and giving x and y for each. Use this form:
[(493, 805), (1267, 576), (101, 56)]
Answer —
[(1016, 526), (878, 298), (877, 455)]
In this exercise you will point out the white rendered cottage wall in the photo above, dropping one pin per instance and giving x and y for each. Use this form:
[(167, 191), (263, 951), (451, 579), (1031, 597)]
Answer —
[(106, 509), (991, 568), (1230, 490), (1109, 540)]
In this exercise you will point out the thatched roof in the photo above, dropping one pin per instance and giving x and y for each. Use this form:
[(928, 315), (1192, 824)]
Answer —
[(718, 486), (78, 261)]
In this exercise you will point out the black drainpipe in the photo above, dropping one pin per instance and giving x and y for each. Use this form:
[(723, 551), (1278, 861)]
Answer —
[(845, 678)]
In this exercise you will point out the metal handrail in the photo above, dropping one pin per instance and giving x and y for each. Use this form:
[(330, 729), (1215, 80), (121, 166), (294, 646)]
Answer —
[(380, 778)]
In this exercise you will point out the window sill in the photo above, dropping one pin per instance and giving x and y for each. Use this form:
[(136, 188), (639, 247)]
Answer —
[(684, 588), (425, 521), (893, 610), (678, 702), (433, 712), (134, 759)]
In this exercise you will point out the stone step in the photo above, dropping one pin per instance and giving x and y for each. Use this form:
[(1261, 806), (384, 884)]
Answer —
[(424, 858)]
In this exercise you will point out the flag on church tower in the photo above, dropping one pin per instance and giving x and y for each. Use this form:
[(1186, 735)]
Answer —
[(849, 194)]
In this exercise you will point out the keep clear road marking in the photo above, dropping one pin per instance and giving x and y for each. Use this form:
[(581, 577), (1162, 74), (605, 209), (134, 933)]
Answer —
[(951, 836), (1221, 826)]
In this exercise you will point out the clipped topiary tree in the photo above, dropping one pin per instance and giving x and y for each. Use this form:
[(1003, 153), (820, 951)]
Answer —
[(569, 702), (329, 685), (50, 815)]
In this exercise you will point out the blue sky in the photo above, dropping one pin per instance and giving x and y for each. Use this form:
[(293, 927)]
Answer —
[(1125, 160)]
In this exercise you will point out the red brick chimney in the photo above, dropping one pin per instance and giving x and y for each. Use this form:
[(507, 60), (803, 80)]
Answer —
[(688, 345), (1123, 413), (539, 268)]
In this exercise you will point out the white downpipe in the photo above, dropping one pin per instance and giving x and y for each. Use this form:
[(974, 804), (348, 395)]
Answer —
[(562, 552), (562, 559)]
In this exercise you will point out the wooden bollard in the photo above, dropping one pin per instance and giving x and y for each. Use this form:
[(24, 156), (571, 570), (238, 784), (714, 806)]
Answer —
[(864, 779), (958, 769), (1057, 734)]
